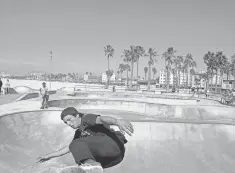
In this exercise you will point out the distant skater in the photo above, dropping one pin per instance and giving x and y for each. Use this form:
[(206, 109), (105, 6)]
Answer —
[(0, 86), (95, 145), (45, 96)]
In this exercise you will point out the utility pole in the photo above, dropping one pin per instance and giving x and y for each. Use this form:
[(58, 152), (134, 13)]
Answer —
[(50, 67)]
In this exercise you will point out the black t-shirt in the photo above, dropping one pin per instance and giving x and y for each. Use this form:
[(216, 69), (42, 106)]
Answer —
[(90, 128)]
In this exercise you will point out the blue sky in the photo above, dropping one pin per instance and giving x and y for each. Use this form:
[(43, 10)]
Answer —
[(77, 31)]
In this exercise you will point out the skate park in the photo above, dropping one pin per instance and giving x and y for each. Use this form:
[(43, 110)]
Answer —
[(168, 68), (174, 137)]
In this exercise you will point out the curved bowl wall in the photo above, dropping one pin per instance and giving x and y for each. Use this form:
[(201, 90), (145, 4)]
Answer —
[(167, 147)]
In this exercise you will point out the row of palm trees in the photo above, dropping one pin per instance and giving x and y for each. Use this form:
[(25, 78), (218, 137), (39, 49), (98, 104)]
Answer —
[(131, 57), (173, 64), (217, 65)]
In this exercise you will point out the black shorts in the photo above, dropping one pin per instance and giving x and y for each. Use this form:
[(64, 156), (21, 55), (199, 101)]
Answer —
[(102, 149)]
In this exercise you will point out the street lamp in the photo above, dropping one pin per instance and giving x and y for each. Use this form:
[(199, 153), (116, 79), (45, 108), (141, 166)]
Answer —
[(50, 67)]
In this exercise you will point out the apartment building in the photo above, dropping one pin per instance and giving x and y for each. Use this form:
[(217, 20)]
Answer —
[(104, 77), (173, 78)]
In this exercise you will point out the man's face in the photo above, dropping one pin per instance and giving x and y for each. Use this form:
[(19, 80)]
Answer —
[(44, 85), (72, 121)]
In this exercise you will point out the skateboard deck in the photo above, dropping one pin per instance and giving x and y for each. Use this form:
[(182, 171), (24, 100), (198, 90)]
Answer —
[(77, 169), (72, 169)]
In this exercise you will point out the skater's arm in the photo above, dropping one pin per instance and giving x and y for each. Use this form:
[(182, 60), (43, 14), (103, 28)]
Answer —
[(60, 152), (106, 119), (124, 125)]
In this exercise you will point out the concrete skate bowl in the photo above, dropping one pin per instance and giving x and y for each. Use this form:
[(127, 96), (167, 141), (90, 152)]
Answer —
[(155, 146), (72, 92), (24, 90), (147, 109)]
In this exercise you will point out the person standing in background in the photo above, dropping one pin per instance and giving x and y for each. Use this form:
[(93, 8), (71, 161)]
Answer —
[(8, 87), (0, 86), (45, 95)]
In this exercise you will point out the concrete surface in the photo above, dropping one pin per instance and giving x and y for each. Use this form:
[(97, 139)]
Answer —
[(4, 99), (154, 147), (168, 138)]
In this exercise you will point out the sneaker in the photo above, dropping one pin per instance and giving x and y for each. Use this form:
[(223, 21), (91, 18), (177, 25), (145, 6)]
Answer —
[(87, 168)]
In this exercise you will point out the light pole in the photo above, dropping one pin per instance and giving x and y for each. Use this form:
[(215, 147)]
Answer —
[(50, 67)]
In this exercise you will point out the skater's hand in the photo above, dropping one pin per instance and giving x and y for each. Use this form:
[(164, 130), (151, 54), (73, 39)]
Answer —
[(125, 127), (43, 158)]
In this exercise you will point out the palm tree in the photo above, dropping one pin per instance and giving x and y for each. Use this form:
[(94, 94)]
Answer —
[(121, 69), (209, 60), (126, 58), (118, 73), (154, 71), (178, 67), (132, 59), (220, 61), (145, 72), (139, 53), (169, 58), (233, 67), (227, 68), (189, 63), (109, 52), (152, 58), (127, 68)]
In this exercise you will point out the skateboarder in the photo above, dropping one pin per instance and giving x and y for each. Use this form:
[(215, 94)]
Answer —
[(95, 145), (45, 95)]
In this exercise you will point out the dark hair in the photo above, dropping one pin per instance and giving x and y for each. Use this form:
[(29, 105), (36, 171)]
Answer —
[(70, 111)]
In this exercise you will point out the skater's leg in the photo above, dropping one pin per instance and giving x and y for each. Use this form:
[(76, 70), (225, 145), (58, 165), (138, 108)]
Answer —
[(43, 102), (84, 157), (46, 101), (80, 151), (101, 149)]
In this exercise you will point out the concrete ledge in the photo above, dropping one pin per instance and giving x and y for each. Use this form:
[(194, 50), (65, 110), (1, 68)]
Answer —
[(155, 110)]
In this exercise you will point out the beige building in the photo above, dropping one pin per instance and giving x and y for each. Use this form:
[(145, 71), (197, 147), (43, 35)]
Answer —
[(173, 78)]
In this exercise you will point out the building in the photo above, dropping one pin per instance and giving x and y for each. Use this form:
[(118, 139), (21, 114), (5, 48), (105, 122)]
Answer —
[(104, 77), (173, 78)]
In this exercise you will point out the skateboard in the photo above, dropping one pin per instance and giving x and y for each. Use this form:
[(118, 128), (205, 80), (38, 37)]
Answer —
[(77, 169), (72, 169)]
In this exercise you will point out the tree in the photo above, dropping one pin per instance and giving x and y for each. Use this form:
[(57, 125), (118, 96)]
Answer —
[(121, 69), (154, 71), (152, 58), (233, 67), (220, 61), (109, 52), (139, 53), (177, 62), (145, 72), (127, 59), (109, 74), (133, 59), (209, 60), (127, 69), (169, 56), (188, 63)]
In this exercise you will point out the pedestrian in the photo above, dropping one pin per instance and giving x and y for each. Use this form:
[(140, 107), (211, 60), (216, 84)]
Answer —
[(45, 96), (1, 86), (95, 145), (8, 87)]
